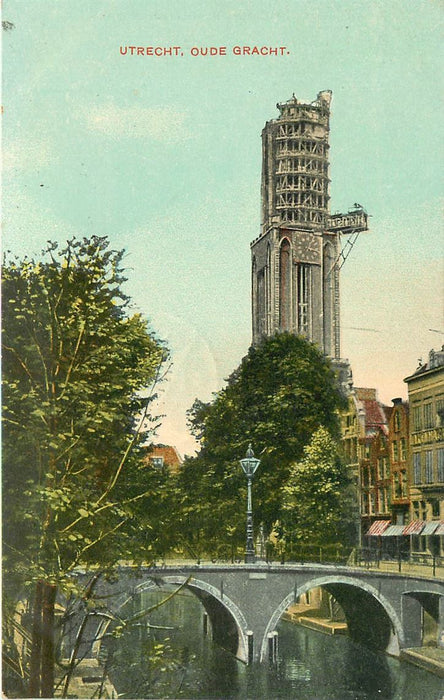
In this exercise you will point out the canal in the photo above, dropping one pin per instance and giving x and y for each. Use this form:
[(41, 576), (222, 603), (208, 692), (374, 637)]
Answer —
[(166, 655)]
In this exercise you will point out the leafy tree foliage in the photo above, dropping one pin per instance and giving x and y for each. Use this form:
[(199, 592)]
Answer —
[(282, 392), (317, 504), (77, 372)]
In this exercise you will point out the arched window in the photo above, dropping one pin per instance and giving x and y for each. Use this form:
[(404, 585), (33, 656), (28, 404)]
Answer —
[(254, 297), (268, 290), (328, 299), (285, 286)]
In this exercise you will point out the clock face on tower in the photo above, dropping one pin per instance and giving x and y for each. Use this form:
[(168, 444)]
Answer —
[(307, 247), (314, 245)]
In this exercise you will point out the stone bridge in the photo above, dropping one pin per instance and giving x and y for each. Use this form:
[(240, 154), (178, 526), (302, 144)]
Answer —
[(244, 602)]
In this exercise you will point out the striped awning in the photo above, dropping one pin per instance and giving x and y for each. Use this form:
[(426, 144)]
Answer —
[(440, 529), (430, 527), (394, 531), (378, 527), (414, 528)]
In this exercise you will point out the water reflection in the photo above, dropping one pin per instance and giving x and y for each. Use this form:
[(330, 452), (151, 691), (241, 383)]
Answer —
[(151, 662)]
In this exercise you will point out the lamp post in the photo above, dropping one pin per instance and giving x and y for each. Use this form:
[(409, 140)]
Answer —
[(249, 464)]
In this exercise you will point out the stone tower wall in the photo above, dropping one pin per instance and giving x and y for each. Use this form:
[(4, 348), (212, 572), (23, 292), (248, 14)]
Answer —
[(295, 278)]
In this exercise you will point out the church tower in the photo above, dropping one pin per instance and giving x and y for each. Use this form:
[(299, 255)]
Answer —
[(295, 271)]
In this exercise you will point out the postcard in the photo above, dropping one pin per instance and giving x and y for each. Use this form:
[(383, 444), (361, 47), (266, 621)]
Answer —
[(223, 461)]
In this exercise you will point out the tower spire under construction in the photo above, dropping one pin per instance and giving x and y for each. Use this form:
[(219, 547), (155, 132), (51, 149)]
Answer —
[(295, 259)]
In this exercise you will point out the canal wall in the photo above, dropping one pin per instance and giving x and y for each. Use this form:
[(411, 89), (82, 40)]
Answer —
[(428, 658)]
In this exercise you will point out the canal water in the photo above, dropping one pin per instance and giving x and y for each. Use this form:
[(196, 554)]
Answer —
[(172, 658)]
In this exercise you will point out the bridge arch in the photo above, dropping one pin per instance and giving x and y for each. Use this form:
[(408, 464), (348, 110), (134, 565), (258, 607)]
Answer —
[(225, 616), (415, 603), (393, 633)]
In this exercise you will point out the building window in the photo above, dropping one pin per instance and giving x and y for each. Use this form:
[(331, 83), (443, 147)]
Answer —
[(364, 501), (440, 455), (395, 451), (417, 418), (415, 505), (403, 443), (397, 421), (417, 468), (404, 484), (396, 486), (435, 508), (382, 503), (439, 411), (383, 468), (157, 462), (399, 519), (429, 418), (380, 468), (429, 467)]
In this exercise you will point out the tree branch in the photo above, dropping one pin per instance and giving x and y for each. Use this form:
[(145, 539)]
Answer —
[(74, 357), (92, 544), (134, 439), (22, 363)]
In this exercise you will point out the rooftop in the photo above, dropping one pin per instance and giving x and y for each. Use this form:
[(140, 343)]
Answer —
[(435, 361)]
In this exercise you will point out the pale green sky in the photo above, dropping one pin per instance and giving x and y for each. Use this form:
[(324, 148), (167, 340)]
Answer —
[(163, 154)]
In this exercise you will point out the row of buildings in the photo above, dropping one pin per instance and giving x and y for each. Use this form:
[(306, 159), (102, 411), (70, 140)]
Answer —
[(396, 454)]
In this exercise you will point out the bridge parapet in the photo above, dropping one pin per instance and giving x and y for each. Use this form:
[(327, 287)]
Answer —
[(249, 599)]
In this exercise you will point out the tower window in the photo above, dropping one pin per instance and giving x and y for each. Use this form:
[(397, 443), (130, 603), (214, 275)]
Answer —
[(285, 286), (303, 298)]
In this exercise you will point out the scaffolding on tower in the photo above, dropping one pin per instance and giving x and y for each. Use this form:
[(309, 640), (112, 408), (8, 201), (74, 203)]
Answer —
[(351, 224)]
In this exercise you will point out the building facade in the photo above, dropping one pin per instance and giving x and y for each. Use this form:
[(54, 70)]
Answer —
[(352, 419), (295, 259), (365, 447), (426, 462), (398, 435), (164, 457), (373, 459)]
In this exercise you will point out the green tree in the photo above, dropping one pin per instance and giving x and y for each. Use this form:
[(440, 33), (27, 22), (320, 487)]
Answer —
[(317, 503), (283, 390), (79, 372)]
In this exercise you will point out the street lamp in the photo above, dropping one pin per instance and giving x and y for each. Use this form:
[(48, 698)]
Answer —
[(249, 464)]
